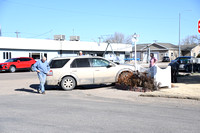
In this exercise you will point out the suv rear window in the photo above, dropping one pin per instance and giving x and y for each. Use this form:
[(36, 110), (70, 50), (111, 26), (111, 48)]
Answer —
[(58, 63)]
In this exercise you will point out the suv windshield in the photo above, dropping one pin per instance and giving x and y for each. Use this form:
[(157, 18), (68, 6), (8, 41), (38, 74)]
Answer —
[(58, 63), (12, 60), (183, 60)]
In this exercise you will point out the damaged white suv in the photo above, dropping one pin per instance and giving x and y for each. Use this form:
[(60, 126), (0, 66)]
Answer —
[(69, 72)]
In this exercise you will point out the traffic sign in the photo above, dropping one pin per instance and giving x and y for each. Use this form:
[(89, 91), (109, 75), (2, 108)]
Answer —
[(199, 26)]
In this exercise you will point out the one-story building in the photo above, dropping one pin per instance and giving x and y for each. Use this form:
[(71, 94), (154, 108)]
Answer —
[(36, 48)]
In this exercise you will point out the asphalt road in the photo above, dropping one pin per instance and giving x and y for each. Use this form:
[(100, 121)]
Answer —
[(24, 111)]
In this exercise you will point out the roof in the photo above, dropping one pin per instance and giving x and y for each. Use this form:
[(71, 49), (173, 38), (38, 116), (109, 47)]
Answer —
[(166, 46), (75, 57), (42, 44), (188, 47)]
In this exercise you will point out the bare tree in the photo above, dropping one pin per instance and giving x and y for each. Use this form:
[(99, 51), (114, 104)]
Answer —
[(189, 40), (118, 38)]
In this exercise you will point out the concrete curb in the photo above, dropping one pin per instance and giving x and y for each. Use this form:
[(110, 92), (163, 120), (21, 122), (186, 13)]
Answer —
[(170, 96)]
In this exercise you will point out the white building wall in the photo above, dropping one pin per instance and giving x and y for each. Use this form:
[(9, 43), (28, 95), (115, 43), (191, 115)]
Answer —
[(23, 53)]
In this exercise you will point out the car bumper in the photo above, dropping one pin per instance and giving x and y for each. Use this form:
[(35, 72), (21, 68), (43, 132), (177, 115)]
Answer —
[(181, 67), (51, 82), (3, 70)]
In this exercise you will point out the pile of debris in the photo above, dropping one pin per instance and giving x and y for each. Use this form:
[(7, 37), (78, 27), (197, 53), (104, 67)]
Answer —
[(136, 81)]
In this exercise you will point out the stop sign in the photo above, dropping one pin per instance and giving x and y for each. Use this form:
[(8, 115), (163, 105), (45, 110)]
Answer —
[(199, 26)]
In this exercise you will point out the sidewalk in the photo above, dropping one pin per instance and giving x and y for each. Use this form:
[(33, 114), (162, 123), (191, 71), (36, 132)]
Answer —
[(188, 87)]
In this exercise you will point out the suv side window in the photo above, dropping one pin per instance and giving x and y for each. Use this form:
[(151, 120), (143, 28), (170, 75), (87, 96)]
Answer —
[(83, 62), (58, 63), (27, 59), (24, 59), (100, 63), (21, 59)]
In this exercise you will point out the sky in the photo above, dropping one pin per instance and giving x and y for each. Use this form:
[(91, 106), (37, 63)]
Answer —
[(90, 19)]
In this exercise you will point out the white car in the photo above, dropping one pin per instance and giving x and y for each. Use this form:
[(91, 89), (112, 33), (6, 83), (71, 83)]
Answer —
[(69, 72)]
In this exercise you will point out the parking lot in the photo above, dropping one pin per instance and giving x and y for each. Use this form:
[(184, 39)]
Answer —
[(89, 109)]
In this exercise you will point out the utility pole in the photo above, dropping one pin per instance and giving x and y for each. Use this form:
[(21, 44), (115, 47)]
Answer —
[(179, 36), (17, 33)]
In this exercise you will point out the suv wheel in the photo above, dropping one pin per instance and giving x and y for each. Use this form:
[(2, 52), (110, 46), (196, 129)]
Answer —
[(32, 68), (12, 69), (68, 83)]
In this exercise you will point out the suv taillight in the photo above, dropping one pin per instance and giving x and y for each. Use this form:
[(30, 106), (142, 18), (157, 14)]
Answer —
[(50, 73)]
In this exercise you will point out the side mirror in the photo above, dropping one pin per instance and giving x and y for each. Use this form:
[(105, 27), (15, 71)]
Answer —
[(109, 66), (18, 61)]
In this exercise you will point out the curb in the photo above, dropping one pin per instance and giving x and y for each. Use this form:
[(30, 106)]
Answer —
[(171, 96)]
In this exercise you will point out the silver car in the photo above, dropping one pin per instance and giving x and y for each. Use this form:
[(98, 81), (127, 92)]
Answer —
[(69, 72)]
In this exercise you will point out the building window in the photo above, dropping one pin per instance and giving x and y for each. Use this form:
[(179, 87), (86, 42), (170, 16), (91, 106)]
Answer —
[(7, 55), (35, 56), (172, 54), (45, 54), (4, 55)]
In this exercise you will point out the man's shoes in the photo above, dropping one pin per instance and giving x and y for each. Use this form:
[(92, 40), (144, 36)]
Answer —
[(43, 92), (38, 91)]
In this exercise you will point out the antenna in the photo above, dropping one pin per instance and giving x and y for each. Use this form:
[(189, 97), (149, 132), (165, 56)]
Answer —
[(17, 33), (155, 41)]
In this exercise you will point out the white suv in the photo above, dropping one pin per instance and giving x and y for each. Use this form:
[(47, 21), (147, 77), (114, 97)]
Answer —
[(69, 72)]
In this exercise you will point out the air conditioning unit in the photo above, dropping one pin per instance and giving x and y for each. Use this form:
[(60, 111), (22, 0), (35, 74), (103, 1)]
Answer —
[(59, 37), (74, 38)]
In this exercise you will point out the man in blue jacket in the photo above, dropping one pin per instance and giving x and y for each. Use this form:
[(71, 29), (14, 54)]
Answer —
[(42, 68)]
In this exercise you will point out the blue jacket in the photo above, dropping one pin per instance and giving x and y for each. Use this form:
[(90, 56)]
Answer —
[(42, 67)]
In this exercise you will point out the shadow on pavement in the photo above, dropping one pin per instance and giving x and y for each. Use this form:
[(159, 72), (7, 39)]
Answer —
[(189, 79), (34, 88), (88, 87), (26, 90), (56, 88)]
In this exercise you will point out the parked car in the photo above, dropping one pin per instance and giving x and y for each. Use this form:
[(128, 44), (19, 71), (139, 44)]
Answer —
[(166, 59), (70, 72), (183, 60), (20, 63)]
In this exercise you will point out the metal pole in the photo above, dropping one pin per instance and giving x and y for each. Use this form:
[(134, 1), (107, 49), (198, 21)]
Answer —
[(135, 56), (179, 43)]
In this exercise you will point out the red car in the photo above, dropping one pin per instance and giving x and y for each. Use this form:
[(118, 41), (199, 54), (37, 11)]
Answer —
[(20, 63)]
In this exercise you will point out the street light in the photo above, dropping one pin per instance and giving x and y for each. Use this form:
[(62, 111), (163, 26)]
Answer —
[(135, 39), (179, 43)]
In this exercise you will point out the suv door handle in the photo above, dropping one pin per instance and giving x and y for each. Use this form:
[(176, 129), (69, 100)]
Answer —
[(74, 71)]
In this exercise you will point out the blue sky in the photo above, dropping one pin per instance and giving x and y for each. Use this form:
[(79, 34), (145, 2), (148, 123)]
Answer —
[(90, 19)]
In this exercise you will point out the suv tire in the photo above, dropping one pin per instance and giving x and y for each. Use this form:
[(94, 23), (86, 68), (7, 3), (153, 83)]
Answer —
[(31, 69), (12, 69), (68, 83)]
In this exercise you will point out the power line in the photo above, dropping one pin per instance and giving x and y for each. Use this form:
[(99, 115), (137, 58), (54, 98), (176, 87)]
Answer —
[(41, 34), (88, 13)]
